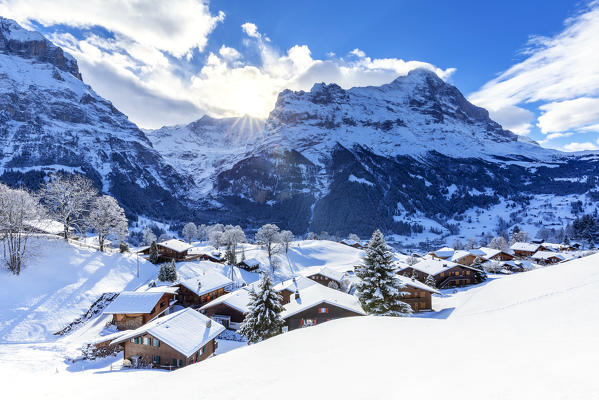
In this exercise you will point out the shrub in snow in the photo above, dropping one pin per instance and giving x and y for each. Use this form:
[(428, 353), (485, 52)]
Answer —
[(264, 317), (379, 289), (168, 272), (153, 253)]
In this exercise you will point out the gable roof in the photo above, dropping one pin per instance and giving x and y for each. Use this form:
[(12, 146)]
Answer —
[(488, 252), (185, 331), (416, 284), (459, 254), (251, 262), (443, 252), (317, 294), (134, 303), (326, 272), (175, 245), (294, 284), (432, 266), (545, 255), (238, 300), (523, 246), (207, 282), (49, 226)]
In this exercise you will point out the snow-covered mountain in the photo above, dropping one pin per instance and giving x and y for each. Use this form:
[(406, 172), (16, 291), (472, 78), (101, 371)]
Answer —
[(412, 156), (51, 120)]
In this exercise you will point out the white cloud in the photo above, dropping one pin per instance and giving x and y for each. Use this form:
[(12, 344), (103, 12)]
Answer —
[(174, 26), (578, 114), (251, 30), (557, 69), (575, 146)]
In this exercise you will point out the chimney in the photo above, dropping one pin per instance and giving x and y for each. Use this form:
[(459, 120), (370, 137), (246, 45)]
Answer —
[(297, 295), (208, 323)]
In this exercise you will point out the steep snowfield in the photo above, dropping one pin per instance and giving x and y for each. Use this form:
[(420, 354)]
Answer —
[(526, 336), (59, 284)]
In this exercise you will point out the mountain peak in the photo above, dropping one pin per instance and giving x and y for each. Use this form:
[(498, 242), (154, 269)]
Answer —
[(16, 40)]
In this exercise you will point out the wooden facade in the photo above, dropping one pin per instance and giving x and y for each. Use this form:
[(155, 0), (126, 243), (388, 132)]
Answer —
[(134, 321), (189, 298), (323, 280), (224, 309), (467, 259), (166, 254), (317, 314), (146, 350), (451, 277), (418, 299), (501, 256)]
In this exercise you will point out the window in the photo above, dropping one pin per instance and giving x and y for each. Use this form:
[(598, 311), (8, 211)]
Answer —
[(156, 343), (323, 310), (156, 359), (201, 351), (137, 340), (442, 274), (147, 341), (467, 272), (153, 310), (132, 340), (162, 304), (177, 362)]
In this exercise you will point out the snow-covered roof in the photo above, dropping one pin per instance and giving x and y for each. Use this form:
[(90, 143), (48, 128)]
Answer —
[(47, 226), (176, 245), (134, 303), (237, 300), (163, 289), (523, 246), (206, 282), (444, 252), (545, 255), (432, 266), (185, 331), (317, 294), (352, 243), (488, 252), (326, 272), (294, 284), (416, 284), (459, 254), (251, 262)]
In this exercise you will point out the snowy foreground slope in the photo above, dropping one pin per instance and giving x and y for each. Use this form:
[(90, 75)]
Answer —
[(59, 285), (526, 336)]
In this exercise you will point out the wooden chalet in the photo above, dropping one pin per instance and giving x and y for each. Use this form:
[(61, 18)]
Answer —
[(445, 273), (490, 254), (172, 249), (326, 275), (316, 304), (130, 310), (464, 257), (525, 250), (213, 256), (418, 295), (547, 257), (172, 341), (229, 309), (251, 264), (202, 289)]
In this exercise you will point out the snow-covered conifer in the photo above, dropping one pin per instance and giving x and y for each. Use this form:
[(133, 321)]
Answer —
[(264, 318), (379, 290), (168, 272), (153, 253), (430, 281)]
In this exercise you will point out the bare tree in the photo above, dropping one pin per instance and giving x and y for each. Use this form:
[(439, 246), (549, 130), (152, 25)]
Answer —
[(107, 218), (190, 232), (470, 244), (231, 238), (311, 236), (68, 199), (17, 207), (286, 238), (354, 237), (269, 236), (202, 232), (520, 236), (149, 236), (498, 243), (215, 233)]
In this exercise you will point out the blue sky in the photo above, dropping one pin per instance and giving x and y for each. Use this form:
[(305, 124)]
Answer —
[(534, 64)]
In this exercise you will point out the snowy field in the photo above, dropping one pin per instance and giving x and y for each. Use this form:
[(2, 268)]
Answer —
[(531, 335)]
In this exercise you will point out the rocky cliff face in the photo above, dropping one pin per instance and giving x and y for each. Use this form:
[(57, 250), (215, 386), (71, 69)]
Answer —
[(51, 120)]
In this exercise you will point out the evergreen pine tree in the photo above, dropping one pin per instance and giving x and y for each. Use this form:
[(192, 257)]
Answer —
[(430, 281), (230, 256), (168, 272), (264, 318), (153, 253), (566, 240), (379, 289)]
